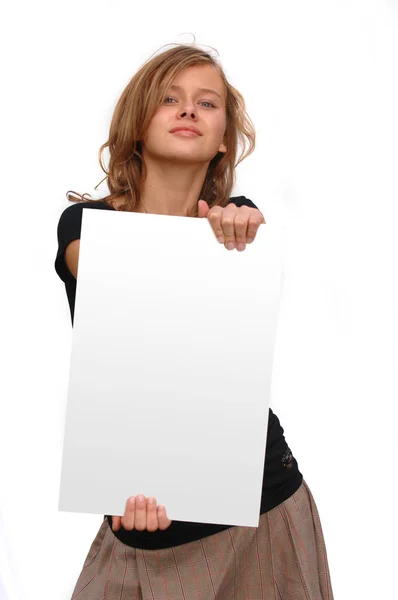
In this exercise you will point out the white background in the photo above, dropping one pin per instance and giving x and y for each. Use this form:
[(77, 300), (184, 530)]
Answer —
[(320, 82)]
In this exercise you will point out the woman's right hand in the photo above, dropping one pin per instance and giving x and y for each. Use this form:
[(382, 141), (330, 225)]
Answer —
[(142, 515)]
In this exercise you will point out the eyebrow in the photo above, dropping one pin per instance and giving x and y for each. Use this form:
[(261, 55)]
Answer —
[(206, 90)]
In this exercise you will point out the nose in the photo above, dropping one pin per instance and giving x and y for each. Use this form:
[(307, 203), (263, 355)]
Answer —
[(184, 114), (188, 110)]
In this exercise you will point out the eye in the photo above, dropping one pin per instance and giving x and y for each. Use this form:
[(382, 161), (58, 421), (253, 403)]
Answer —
[(210, 104)]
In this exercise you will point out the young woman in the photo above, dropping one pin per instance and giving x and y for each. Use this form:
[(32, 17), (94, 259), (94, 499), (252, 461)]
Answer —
[(173, 147)]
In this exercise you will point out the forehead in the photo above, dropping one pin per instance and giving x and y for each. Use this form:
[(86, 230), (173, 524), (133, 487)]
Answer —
[(200, 76)]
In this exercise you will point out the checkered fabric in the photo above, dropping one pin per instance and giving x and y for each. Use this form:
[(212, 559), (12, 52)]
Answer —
[(283, 559)]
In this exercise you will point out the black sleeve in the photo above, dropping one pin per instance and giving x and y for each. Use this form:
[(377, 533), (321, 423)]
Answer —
[(241, 201), (69, 228)]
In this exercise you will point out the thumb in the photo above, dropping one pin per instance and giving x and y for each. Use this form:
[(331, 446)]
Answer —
[(203, 208)]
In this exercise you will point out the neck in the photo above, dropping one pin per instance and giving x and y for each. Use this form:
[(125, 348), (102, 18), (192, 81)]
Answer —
[(170, 188)]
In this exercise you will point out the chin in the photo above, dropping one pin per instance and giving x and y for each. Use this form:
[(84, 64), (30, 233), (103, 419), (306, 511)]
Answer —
[(181, 153), (184, 157), (201, 154)]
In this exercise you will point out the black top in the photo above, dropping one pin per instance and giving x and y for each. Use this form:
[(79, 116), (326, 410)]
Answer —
[(281, 477)]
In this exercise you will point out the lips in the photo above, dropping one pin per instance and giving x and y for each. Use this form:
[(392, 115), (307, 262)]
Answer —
[(192, 129)]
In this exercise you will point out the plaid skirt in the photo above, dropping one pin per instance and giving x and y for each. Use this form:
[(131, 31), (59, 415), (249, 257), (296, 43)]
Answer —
[(284, 558)]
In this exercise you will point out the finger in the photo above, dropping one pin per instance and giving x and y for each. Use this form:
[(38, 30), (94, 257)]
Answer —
[(241, 225), (151, 515), (140, 513), (228, 225), (203, 208), (255, 220), (128, 519), (214, 217), (164, 522), (116, 523)]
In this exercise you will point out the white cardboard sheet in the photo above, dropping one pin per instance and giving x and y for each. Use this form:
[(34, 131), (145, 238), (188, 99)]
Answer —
[(171, 366)]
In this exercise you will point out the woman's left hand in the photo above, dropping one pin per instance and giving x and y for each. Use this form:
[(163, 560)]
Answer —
[(233, 226)]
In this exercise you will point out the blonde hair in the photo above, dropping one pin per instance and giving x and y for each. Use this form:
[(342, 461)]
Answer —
[(131, 118)]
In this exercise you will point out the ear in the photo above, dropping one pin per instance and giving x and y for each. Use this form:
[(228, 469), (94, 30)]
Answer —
[(222, 148)]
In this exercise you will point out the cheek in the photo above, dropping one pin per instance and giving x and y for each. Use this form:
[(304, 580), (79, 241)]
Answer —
[(220, 127), (156, 124), (220, 122), (160, 116)]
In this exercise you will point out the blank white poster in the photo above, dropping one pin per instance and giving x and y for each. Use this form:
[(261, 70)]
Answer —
[(171, 367)]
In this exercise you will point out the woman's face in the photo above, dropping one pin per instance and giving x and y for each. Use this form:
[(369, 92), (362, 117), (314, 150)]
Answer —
[(195, 99)]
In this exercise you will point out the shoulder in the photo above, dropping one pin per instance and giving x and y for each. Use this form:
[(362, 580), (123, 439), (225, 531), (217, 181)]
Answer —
[(77, 207), (73, 213), (69, 230)]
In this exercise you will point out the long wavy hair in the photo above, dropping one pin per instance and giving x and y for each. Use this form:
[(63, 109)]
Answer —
[(131, 118)]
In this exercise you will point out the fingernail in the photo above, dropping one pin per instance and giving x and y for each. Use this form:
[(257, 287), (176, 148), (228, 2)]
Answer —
[(249, 241), (141, 499), (132, 500), (160, 507), (151, 500), (241, 247), (230, 245), (221, 239)]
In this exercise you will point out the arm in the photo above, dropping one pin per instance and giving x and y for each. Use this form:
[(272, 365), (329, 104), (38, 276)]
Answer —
[(72, 257)]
